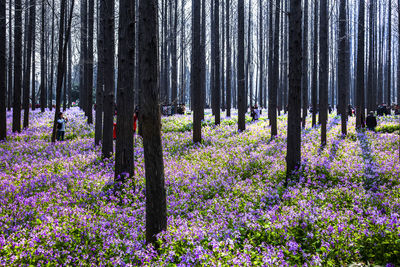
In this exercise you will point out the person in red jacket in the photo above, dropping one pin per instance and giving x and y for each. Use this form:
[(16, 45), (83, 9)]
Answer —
[(135, 118)]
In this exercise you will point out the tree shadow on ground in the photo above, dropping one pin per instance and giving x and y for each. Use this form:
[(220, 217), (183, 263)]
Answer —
[(370, 166)]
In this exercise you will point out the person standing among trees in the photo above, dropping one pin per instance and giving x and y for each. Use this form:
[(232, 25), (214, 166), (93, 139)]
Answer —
[(371, 121), (61, 126)]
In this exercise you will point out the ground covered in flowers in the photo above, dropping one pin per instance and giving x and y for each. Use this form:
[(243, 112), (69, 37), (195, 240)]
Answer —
[(227, 204)]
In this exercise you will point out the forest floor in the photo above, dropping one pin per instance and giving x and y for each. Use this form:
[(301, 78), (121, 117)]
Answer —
[(227, 204)]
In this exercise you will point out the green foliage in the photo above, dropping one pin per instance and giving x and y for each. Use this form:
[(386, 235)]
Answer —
[(388, 128)]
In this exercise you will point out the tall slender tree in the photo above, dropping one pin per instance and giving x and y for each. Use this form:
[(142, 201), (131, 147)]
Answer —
[(98, 134), (228, 62), (43, 74), (343, 66), (108, 73), (27, 74), (398, 56), (90, 63), (260, 51), (51, 84), (10, 58), (156, 206), (195, 74), (16, 127), (360, 108), (323, 70), (3, 71), (33, 80), (314, 91), (293, 155), (217, 65), (174, 69), (125, 92), (304, 79), (273, 90), (389, 64), (371, 101), (240, 69)]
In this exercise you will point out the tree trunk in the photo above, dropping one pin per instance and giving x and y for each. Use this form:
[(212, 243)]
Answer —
[(174, 74), (398, 57), (323, 70), (43, 74), (217, 62), (124, 165), (272, 107), (17, 67), (270, 56), (228, 62), (240, 69), (203, 59), (89, 107), (360, 110), (343, 66), (3, 71), (261, 56), (62, 53), (293, 155), (314, 87), (10, 59), (108, 104), (304, 79), (248, 62), (389, 75), (51, 87), (33, 58), (195, 73), (370, 99), (100, 73), (156, 206)]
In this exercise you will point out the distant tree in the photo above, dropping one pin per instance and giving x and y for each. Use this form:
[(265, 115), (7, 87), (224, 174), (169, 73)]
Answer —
[(228, 62), (343, 66), (3, 71), (195, 74), (217, 65), (16, 127), (304, 79), (33, 80), (125, 91), (51, 85), (174, 69), (360, 102), (240, 69), (293, 155), (108, 73), (89, 107), (27, 74), (323, 70), (156, 206), (10, 58), (98, 133), (389, 64), (371, 99), (314, 86), (260, 51), (43, 72)]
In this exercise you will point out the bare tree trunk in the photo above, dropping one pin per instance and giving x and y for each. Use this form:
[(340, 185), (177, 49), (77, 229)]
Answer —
[(33, 58), (240, 69), (16, 127), (260, 51), (223, 57), (343, 66), (62, 53), (195, 74), (90, 63), (43, 74), (174, 74), (10, 59), (304, 79), (203, 59), (182, 92), (323, 70), (228, 62), (389, 77), (3, 71), (51, 87), (100, 73), (272, 103), (270, 56), (156, 206), (124, 165), (217, 62), (398, 56), (314, 87), (248, 62), (293, 155), (108, 104), (360, 109), (370, 99)]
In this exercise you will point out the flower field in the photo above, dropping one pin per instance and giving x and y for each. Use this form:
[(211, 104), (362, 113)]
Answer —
[(227, 204)]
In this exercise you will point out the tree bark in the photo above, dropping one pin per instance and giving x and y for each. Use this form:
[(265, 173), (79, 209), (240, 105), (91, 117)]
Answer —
[(240, 69), (323, 70), (389, 75), (90, 63), (272, 107), (360, 109), (343, 66), (314, 92), (100, 74), (3, 71), (10, 59), (33, 58), (217, 62), (156, 206), (43, 74), (195, 78), (51, 86), (174, 71), (304, 79), (17, 67), (228, 62), (108, 104), (261, 56), (124, 165), (293, 155)]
